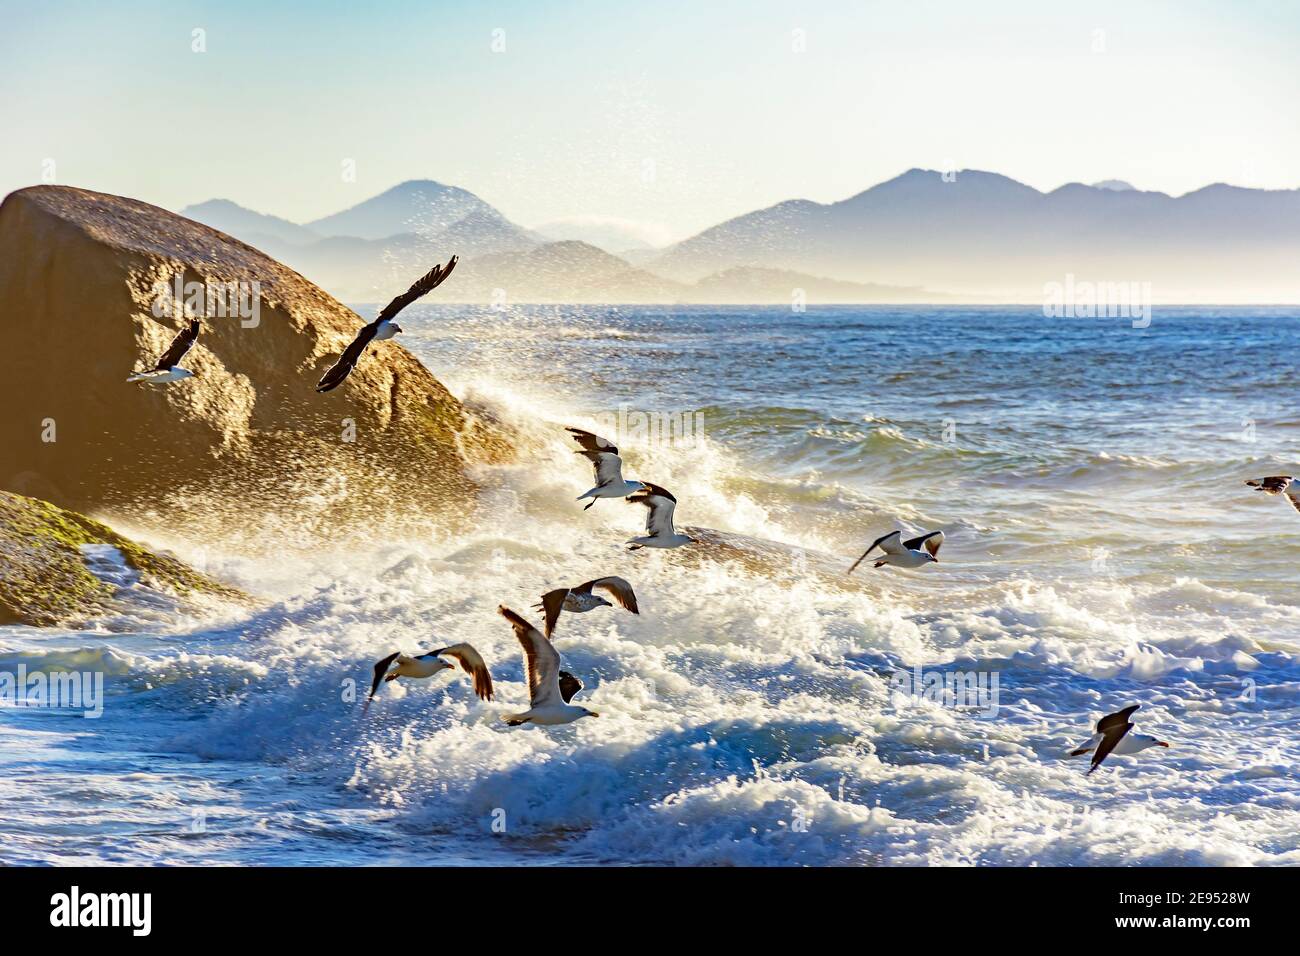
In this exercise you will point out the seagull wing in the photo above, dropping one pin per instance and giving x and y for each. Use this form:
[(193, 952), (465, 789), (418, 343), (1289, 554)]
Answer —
[(590, 441), (1112, 728), (543, 661), (1276, 485), (1108, 741), (340, 370), (471, 662), (659, 520), (181, 344), (617, 588), (609, 467), (1117, 719), (931, 541), (553, 604), (423, 286), (884, 543), (569, 686), (380, 670)]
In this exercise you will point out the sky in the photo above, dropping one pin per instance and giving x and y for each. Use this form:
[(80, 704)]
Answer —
[(665, 117)]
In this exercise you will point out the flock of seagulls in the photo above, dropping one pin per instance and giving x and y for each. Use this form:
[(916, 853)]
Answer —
[(550, 689)]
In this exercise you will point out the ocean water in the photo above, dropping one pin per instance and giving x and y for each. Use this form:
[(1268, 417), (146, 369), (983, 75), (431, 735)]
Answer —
[(1101, 551)]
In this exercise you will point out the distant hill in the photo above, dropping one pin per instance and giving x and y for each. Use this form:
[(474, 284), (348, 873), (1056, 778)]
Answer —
[(252, 227), (568, 271), (612, 235), (984, 235), (365, 252), (418, 206)]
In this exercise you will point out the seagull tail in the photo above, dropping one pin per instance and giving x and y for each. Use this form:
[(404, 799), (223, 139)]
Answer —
[(138, 377)]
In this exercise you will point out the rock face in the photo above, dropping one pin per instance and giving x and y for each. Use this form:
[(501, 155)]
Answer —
[(246, 438), (45, 558)]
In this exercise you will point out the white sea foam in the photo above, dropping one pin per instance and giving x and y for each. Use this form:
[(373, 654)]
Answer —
[(746, 713)]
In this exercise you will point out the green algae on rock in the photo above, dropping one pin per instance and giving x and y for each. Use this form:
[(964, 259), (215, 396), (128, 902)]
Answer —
[(44, 578)]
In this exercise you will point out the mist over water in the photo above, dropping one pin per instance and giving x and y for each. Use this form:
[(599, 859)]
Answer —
[(1100, 550)]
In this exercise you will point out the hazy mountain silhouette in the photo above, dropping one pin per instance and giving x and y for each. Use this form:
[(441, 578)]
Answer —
[(419, 206), (234, 220), (920, 237), (983, 235)]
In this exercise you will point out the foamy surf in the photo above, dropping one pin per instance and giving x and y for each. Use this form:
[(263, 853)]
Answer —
[(751, 713)]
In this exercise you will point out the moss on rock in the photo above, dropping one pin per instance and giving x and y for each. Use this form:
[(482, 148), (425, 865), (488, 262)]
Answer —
[(44, 580)]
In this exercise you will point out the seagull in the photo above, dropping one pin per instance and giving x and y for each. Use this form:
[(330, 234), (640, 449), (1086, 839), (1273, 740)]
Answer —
[(1277, 485), (660, 532), (905, 554), (1113, 736), (549, 705), (383, 327), (167, 370), (580, 599), (426, 665), (603, 455)]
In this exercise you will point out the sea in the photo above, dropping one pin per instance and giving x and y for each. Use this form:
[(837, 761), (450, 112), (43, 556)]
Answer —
[(1100, 550)]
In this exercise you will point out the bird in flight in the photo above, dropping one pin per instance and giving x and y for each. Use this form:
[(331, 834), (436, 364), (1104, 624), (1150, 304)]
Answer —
[(580, 599), (659, 529), (603, 456), (1113, 736), (168, 369), (548, 703), (1278, 485), (383, 327), (911, 553), (426, 665)]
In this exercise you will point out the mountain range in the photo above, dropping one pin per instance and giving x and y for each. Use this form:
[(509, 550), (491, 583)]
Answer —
[(923, 236)]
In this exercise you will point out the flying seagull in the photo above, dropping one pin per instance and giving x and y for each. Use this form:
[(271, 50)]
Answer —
[(168, 369), (905, 554), (1277, 485), (603, 456), (660, 532), (383, 327), (548, 704), (426, 665), (580, 599), (1113, 736)]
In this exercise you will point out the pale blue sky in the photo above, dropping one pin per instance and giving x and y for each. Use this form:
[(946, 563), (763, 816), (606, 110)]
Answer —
[(672, 115)]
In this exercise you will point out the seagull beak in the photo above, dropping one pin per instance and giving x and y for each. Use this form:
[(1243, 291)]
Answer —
[(1162, 743)]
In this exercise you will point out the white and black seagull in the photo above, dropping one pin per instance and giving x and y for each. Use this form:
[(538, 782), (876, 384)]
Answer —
[(582, 598), (549, 688), (426, 665), (912, 553), (1279, 485), (383, 327), (603, 455), (660, 532), (1113, 736), (168, 367)]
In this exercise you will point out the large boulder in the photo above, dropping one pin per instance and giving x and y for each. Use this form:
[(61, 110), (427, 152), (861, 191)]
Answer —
[(247, 439)]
